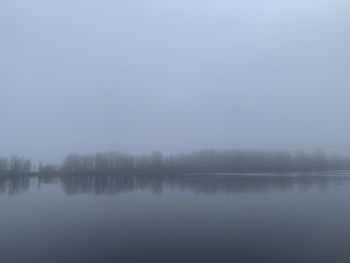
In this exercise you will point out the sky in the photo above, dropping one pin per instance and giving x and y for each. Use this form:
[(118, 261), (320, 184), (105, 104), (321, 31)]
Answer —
[(173, 75)]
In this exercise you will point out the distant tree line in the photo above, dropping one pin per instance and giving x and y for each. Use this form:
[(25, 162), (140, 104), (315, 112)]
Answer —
[(256, 161), (206, 161), (15, 164), (112, 161)]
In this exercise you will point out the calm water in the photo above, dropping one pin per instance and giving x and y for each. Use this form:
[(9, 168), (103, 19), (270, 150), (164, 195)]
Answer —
[(255, 218)]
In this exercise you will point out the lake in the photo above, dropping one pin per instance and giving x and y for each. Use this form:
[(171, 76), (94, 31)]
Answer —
[(185, 218)]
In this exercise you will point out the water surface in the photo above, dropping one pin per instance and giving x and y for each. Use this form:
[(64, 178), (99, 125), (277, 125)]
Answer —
[(188, 218)]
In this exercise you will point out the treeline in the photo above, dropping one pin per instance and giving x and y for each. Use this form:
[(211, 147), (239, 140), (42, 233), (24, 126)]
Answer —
[(257, 161), (208, 161), (113, 161), (15, 164)]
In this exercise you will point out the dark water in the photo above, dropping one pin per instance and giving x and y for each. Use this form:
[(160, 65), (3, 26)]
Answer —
[(255, 218)]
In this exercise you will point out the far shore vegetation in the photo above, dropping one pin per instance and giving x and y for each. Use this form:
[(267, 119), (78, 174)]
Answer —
[(206, 161)]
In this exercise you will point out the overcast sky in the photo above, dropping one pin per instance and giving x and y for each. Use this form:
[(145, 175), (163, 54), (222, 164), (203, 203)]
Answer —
[(173, 75)]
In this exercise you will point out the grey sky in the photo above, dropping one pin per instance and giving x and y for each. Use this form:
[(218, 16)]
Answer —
[(137, 76)]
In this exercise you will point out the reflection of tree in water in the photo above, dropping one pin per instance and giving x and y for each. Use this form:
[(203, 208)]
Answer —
[(197, 184), (13, 185), (252, 184), (43, 180), (203, 184), (109, 184)]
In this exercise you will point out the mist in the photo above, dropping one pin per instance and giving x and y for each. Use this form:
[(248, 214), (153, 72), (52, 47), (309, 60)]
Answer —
[(175, 76), (174, 131)]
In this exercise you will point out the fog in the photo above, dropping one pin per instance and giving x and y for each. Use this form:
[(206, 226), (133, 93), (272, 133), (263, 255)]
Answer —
[(176, 76)]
